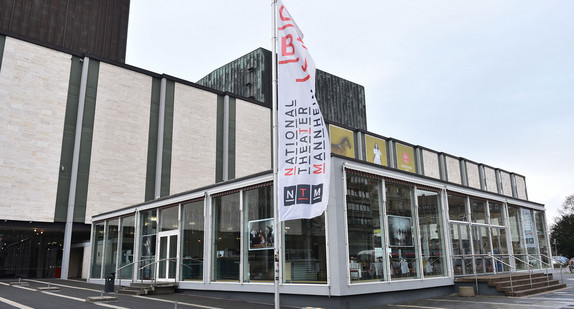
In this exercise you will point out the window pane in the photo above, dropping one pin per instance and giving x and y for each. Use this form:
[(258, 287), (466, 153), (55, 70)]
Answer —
[(169, 219), (305, 251), (227, 237), (542, 240), (148, 233), (366, 253), (518, 245), (97, 251), (431, 231), (404, 262), (128, 230), (259, 234), (111, 250), (478, 209), (193, 238), (495, 213), (457, 208)]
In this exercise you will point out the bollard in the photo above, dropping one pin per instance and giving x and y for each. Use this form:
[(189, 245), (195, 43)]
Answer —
[(175, 304)]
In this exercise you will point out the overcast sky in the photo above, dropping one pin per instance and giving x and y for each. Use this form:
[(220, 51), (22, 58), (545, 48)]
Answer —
[(488, 80)]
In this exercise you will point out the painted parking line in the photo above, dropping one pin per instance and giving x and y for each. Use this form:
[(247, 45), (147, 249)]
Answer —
[(179, 303), (494, 303), (14, 304), (65, 285), (412, 306), (83, 300)]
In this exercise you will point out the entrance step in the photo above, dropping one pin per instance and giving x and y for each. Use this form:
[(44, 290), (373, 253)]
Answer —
[(149, 288), (517, 285)]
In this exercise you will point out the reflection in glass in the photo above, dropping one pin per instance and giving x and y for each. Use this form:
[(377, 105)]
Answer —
[(366, 253), (457, 208), (111, 247), (400, 212), (305, 251), (478, 210), (431, 233), (127, 247), (495, 213), (169, 218), (192, 244), (227, 237), (518, 244), (259, 234), (148, 229), (97, 251)]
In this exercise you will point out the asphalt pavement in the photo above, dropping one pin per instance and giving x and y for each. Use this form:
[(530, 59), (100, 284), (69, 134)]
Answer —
[(64, 294)]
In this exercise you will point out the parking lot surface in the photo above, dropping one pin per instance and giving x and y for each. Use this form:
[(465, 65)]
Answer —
[(68, 294)]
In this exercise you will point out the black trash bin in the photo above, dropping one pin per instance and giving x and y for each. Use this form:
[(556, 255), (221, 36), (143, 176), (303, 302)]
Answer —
[(110, 280)]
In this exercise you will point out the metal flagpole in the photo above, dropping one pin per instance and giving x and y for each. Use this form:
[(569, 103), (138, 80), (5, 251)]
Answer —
[(277, 228)]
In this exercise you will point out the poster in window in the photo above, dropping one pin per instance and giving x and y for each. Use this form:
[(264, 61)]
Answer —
[(261, 235), (400, 231), (376, 150), (405, 158), (342, 141)]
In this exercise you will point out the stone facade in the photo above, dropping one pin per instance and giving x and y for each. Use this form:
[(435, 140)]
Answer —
[(33, 92)]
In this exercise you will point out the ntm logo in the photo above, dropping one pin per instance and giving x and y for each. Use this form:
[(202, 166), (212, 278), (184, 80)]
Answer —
[(302, 194)]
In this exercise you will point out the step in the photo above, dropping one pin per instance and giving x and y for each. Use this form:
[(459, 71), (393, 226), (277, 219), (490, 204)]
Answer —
[(526, 286), (537, 290), (522, 282), (133, 290)]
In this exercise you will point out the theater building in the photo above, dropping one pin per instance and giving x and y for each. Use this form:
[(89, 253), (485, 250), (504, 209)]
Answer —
[(159, 179)]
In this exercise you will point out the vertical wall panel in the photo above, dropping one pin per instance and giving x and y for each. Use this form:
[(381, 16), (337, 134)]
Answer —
[(490, 179), (33, 94), (194, 138), (253, 143), (453, 170), (521, 187), (430, 163), (120, 140), (506, 183), (473, 175)]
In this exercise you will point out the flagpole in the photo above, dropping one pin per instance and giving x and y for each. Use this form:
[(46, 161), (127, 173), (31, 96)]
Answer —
[(277, 228)]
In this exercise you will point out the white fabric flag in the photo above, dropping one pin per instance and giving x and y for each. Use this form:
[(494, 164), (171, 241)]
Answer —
[(304, 150)]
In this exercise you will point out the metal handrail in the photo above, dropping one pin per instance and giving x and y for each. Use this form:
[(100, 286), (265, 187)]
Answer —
[(510, 272), (529, 267), (541, 261), (152, 263)]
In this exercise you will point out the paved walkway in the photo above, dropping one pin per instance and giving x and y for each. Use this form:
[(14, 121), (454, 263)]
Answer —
[(68, 294), (559, 299)]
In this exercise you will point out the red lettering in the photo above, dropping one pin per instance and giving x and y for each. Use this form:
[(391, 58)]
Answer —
[(283, 17), (302, 193), (287, 47), (319, 168), (290, 171)]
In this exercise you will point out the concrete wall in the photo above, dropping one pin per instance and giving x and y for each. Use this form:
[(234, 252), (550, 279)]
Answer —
[(453, 170), (490, 178), (506, 183), (521, 187), (253, 139), (430, 163), (473, 175), (194, 138), (33, 93), (120, 140)]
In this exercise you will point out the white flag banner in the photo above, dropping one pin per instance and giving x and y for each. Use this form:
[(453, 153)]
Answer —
[(304, 150)]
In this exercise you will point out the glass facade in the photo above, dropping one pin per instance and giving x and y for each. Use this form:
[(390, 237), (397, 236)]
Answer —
[(364, 227), (396, 238), (395, 231), (127, 247), (227, 237), (431, 233), (259, 235), (193, 241)]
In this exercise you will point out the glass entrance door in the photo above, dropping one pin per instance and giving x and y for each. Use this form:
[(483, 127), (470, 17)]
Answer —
[(167, 257)]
